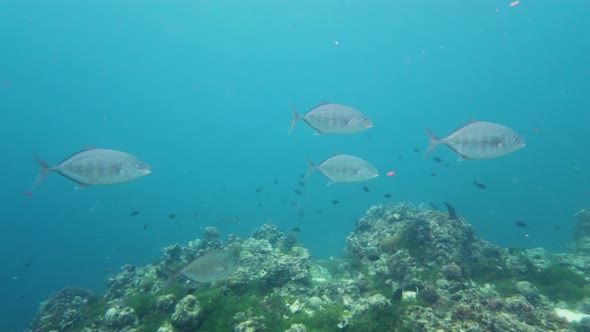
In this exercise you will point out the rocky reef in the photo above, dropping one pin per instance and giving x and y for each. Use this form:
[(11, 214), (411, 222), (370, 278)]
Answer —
[(405, 269)]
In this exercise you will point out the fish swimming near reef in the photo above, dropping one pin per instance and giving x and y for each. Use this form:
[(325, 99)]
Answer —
[(479, 140), (212, 266), (344, 168), (91, 167), (329, 118), (451, 211)]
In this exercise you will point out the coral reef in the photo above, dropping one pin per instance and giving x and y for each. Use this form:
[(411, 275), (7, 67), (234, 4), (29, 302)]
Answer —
[(405, 269)]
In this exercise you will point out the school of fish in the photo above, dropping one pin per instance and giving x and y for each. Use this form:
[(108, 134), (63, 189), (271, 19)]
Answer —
[(475, 140)]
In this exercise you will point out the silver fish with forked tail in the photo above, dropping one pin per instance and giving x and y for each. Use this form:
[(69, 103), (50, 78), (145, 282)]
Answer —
[(479, 140), (91, 167), (329, 118), (344, 168)]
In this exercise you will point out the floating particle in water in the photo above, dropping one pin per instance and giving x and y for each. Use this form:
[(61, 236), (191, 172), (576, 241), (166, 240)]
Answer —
[(433, 174), (302, 183), (134, 213), (259, 205), (297, 192), (335, 202), (416, 150), (387, 195), (336, 43), (258, 190), (172, 216), (390, 173), (514, 3), (437, 160), (293, 203), (145, 226), (195, 215), (366, 189), (276, 181)]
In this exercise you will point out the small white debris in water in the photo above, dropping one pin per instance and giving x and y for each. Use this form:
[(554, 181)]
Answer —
[(336, 43), (409, 295), (570, 315)]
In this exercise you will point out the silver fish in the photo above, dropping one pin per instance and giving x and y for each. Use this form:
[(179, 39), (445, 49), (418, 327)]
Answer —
[(479, 140), (329, 118), (212, 266), (91, 167), (344, 168)]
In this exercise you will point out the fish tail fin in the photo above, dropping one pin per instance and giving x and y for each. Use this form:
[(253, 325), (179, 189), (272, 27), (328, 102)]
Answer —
[(432, 143), (43, 171), (171, 276), (295, 118), (311, 168)]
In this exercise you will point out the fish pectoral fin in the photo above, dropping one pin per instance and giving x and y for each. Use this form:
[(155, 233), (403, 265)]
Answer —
[(317, 133), (330, 183), (324, 102)]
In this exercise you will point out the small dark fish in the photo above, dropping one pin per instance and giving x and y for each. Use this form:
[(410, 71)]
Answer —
[(433, 206), (297, 192), (447, 165), (293, 203), (521, 224), (195, 215), (433, 174), (397, 294), (172, 216), (134, 213), (387, 195), (191, 290), (302, 183), (366, 189), (145, 226), (276, 181), (335, 202), (479, 185), (258, 190), (296, 229), (28, 263), (451, 210), (437, 159), (416, 150), (373, 258)]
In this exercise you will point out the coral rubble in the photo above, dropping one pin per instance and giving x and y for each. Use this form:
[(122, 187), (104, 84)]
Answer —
[(405, 269)]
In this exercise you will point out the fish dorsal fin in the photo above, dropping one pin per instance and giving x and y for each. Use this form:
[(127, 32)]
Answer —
[(324, 102), (471, 120)]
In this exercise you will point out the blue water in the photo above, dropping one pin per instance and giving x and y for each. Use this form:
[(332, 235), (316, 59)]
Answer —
[(201, 91)]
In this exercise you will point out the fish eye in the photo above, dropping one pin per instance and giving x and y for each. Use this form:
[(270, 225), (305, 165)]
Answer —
[(138, 165), (515, 139)]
